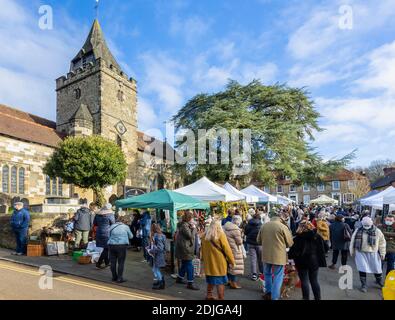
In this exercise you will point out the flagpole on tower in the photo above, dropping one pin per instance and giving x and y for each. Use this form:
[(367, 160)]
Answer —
[(97, 9)]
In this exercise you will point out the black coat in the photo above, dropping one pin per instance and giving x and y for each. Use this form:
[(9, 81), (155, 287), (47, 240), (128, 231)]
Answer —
[(337, 235), (251, 231), (308, 251)]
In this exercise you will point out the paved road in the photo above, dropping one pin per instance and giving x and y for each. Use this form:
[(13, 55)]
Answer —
[(22, 283)]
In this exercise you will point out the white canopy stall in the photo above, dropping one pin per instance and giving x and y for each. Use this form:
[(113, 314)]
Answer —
[(376, 201), (206, 190), (284, 200), (248, 198), (262, 195)]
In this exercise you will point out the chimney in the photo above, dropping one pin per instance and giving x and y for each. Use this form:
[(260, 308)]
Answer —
[(388, 171)]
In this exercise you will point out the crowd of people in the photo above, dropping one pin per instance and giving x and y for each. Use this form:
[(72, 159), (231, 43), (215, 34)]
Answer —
[(303, 236)]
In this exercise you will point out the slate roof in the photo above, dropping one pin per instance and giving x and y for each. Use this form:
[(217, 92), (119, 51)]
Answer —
[(384, 182), (83, 113), (96, 44)]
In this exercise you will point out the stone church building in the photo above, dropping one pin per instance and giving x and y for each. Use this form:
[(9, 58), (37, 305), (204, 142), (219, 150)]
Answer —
[(95, 97)]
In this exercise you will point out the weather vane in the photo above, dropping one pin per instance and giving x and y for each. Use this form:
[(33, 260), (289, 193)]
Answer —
[(97, 8)]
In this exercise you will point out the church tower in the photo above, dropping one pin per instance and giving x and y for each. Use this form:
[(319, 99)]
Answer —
[(97, 97)]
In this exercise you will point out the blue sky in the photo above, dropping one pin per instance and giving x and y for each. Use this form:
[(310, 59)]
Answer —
[(176, 49)]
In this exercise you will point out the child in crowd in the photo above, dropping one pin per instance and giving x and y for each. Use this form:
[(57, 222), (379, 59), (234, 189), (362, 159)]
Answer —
[(157, 251)]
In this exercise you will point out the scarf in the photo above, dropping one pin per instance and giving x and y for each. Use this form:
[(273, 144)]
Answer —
[(359, 236)]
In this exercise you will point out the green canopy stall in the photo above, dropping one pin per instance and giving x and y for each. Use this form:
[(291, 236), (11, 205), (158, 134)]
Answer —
[(165, 200)]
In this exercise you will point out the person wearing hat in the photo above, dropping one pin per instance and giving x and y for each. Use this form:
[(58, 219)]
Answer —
[(340, 236), (369, 247), (83, 221), (103, 220), (20, 221)]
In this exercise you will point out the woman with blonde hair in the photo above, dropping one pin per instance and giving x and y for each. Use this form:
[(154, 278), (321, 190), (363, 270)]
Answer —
[(216, 255)]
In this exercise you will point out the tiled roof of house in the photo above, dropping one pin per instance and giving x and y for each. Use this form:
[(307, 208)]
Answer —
[(384, 182), (27, 127)]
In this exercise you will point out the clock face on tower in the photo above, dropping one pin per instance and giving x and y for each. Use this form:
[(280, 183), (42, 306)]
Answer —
[(120, 127)]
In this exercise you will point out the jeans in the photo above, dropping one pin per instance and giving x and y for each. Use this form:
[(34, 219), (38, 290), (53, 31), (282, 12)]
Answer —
[(81, 235), (273, 286), (104, 257), (186, 267), (336, 255), (232, 277), (21, 240), (255, 253), (145, 243), (157, 274), (390, 262), (117, 259), (310, 277)]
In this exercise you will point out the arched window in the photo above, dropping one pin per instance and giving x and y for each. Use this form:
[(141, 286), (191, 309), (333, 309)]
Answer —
[(60, 187), (14, 180), (21, 180), (47, 185), (54, 188), (77, 93), (6, 179)]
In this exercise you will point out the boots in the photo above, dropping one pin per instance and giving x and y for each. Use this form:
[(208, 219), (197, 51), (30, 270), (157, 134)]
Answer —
[(156, 285), (221, 292), (379, 281), (162, 284), (234, 285), (364, 287), (210, 292), (191, 286)]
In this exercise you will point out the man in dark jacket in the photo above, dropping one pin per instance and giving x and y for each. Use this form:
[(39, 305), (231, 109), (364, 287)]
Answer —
[(340, 234), (185, 249), (254, 248), (83, 222), (20, 222)]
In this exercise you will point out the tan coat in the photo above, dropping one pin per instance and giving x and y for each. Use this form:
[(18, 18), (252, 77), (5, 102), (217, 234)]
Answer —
[(323, 229), (214, 260), (275, 237), (233, 234), (379, 247)]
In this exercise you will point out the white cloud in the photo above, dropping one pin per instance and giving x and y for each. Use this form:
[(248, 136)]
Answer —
[(191, 29), (146, 115), (164, 78), (31, 59)]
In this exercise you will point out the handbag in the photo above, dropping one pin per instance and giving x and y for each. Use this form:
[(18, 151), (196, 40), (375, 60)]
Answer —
[(347, 233)]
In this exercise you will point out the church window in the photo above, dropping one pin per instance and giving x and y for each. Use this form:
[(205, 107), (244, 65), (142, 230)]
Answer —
[(60, 187), (54, 189), (21, 180), (6, 179), (77, 93), (121, 96), (14, 177), (48, 186)]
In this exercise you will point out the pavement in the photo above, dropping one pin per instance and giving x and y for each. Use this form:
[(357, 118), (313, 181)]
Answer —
[(139, 276)]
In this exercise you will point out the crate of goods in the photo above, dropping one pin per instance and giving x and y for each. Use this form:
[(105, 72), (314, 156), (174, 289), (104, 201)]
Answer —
[(52, 249), (85, 260), (35, 250), (62, 247), (77, 255)]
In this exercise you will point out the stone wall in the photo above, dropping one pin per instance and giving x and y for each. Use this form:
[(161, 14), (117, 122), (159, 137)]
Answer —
[(32, 157), (37, 223)]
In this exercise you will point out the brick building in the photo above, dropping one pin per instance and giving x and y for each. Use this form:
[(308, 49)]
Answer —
[(340, 186)]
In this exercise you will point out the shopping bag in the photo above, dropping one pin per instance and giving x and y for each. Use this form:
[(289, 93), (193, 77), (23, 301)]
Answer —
[(196, 267)]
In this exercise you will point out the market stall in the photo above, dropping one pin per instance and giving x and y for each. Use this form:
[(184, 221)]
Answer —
[(170, 201), (206, 190), (324, 199), (284, 201), (247, 197), (262, 195)]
